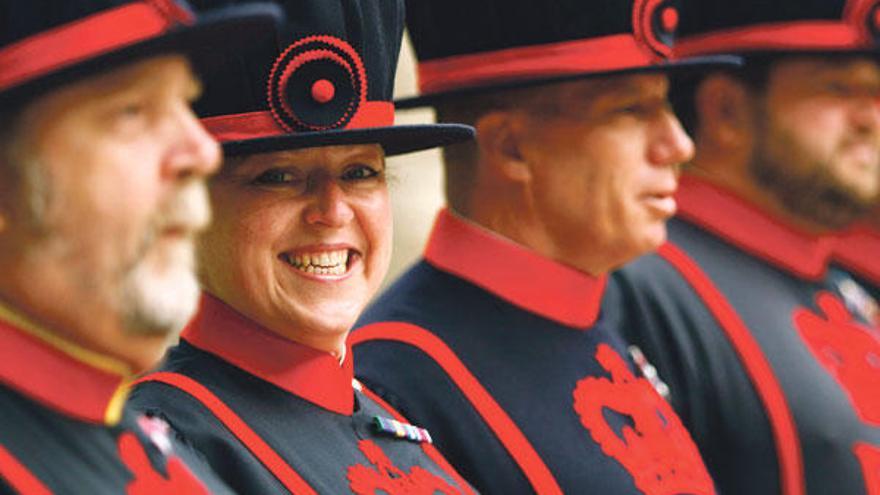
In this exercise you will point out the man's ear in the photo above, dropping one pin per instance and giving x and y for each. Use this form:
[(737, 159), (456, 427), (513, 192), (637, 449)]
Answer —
[(499, 140), (724, 112)]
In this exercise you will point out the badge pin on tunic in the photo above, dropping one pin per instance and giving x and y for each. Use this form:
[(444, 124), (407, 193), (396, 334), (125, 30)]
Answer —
[(859, 301), (398, 429), (649, 371)]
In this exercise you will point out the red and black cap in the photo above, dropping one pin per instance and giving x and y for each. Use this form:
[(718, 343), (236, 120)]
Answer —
[(465, 46), (782, 26), (46, 43), (327, 80)]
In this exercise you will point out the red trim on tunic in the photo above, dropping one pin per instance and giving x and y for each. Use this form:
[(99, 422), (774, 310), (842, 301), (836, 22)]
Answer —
[(314, 375), (736, 221), (869, 457), (796, 35), (859, 251), (19, 478), (514, 273), (429, 449), (285, 474), (609, 53), (756, 365), (48, 375), (256, 125), (66, 45), (511, 437)]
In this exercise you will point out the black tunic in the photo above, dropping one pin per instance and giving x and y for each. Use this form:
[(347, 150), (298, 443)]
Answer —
[(64, 429), (232, 388), (770, 371), (501, 354)]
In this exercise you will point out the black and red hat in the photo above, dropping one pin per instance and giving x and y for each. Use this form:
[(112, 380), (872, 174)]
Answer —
[(327, 80), (779, 26), (45, 43), (465, 46)]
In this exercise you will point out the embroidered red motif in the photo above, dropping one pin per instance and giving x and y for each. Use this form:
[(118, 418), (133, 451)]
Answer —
[(148, 481), (388, 479), (849, 352), (869, 456), (657, 451)]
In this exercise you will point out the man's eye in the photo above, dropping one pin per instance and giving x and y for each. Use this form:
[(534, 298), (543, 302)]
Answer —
[(359, 172), (275, 177)]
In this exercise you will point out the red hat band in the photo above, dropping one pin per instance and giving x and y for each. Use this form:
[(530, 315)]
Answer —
[(318, 83), (66, 45), (654, 26), (859, 29)]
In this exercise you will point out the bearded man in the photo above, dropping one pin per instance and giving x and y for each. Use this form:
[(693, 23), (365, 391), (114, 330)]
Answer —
[(770, 362), (102, 166)]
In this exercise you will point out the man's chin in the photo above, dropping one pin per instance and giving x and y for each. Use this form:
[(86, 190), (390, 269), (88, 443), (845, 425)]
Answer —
[(160, 305)]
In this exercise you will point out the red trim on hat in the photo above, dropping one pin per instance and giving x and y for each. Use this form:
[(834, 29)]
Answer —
[(66, 45), (609, 53), (285, 474), (514, 273), (313, 375), (257, 125), (429, 449), (740, 223), (859, 251), (19, 477), (760, 372), (505, 429), (798, 35)]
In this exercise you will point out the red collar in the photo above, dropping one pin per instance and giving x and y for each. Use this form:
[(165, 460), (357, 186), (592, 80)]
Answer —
[(752, 230), (59, 374), (314, 375), (859, 250), (514, 273)]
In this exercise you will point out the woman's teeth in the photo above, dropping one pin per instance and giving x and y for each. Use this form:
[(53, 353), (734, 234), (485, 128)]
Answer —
[(324, 263)]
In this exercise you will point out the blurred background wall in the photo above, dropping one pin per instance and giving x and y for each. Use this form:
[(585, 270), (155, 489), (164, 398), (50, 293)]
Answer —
[(416, 180)]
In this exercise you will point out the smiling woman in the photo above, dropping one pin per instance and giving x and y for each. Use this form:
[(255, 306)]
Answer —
[(263, 380), (309, 232)]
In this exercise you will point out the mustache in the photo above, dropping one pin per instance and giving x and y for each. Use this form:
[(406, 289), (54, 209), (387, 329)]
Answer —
[(188, 210)]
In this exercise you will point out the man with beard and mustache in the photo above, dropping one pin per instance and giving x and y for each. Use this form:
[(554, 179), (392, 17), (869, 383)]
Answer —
[(102, 189), (769, 363)]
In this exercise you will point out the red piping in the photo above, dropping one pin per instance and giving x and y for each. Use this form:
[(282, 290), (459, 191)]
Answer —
[(756, 365), (248, 437), (510, 436), (19, 478)]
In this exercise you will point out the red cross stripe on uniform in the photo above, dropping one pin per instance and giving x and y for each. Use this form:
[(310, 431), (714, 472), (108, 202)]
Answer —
[(657, 450), (385, 477), (147, 481), (849, 352), (869, 456)]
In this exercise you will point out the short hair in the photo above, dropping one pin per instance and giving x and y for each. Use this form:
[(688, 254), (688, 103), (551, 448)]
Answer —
[(461, 161), (754, 75)]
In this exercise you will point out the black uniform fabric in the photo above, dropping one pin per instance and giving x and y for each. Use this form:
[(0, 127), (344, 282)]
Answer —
[(334, 451), (563, 410), (821, 359), (51, 441)]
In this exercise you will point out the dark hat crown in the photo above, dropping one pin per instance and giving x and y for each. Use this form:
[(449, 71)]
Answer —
[(715, 26), (449, 28), (329, 63)]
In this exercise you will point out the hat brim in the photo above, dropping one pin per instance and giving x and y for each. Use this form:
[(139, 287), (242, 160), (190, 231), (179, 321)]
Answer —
[(688, 64), (214, 30), (395, 140)]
